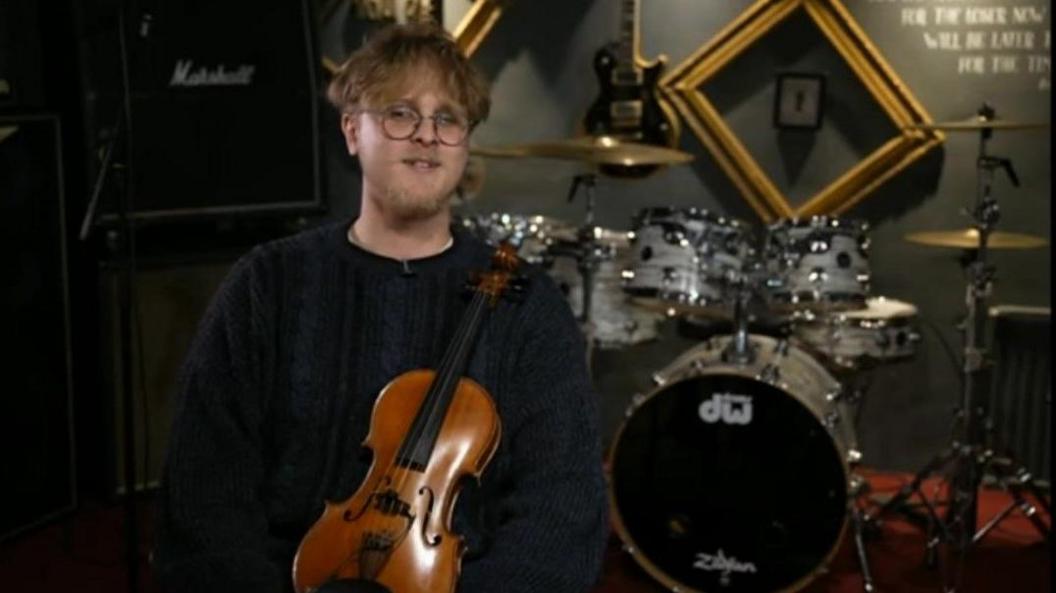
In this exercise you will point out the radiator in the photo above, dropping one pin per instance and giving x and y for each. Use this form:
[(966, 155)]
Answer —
[(1021, 391)]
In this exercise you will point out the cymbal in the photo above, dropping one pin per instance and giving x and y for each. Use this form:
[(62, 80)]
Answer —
[(969, 239), (599, 150), (977, 122)]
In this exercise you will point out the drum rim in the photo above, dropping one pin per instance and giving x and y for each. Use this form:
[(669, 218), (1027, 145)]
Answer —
[(631, 546), (821, 221), (901, 309), (694, 212)]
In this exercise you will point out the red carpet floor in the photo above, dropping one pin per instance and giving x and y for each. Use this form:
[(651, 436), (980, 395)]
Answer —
[(84, 553)]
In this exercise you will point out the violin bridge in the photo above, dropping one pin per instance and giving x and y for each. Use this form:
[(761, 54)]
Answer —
[(390, 522)]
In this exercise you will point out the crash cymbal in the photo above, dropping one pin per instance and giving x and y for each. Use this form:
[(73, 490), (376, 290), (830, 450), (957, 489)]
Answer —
[(969, 239), (977, 122), (599, 150)]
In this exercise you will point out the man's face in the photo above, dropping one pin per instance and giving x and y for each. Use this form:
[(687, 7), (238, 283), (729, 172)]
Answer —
[(412, 178)]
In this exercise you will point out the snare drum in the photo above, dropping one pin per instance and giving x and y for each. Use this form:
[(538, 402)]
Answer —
[(885, 330), (616, 323), (682, 259), (735, 477), (820, 264)]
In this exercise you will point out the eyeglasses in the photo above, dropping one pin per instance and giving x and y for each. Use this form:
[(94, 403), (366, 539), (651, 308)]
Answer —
[(400, 122)]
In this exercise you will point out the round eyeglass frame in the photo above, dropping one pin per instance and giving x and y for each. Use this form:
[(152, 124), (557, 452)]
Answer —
[(383, 114)]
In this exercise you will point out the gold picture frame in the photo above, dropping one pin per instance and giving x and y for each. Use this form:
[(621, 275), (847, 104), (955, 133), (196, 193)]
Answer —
[(682, 86), (475, 25), (469, 33)]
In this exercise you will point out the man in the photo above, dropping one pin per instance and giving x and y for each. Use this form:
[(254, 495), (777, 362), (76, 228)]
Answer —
[(276, 394)]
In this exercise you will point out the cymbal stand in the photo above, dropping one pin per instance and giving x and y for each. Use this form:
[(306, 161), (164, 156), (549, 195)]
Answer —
[(967, 454), (587, 254)]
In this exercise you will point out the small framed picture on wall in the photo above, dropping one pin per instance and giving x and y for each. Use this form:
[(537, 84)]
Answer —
[(799, 101)]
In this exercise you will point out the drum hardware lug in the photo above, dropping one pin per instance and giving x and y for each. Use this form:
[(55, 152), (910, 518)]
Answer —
[(831, 420), (658, 380), (769, 374), (833, 395), (853, 456), (857, 485)]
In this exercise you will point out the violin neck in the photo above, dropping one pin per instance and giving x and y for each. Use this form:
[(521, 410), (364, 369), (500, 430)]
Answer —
[(418, 445)]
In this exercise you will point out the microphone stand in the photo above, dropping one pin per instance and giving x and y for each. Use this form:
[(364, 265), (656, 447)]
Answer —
[(122, 130)]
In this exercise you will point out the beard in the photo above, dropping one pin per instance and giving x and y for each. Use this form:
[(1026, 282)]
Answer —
[(405, 205)]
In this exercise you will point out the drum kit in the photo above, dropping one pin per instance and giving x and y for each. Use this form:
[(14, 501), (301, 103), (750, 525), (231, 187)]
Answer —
[(769, 406)]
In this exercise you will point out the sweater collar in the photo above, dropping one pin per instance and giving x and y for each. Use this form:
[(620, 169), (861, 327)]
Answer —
[(464, 250)]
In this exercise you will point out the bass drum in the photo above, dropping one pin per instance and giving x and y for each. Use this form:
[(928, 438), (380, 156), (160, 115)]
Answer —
[(735, 477)]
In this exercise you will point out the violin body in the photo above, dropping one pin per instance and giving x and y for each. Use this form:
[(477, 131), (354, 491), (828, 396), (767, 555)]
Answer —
[(396, 529)]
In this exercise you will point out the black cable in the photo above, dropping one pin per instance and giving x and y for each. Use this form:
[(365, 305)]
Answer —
[(128, 297), (137, 330), (954, 360)]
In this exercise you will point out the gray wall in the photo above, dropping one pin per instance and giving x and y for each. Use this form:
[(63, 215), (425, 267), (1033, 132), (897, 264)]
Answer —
[(539, 59)]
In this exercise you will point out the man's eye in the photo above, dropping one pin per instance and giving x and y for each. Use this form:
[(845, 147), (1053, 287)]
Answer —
[(446, 119), (401, 114)]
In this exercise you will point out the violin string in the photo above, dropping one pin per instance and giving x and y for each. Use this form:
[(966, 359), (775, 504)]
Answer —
[(437, 393), (445, 374), (369, 525), (435, 396)]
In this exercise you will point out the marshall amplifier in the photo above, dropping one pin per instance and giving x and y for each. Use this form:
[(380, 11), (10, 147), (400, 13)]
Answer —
[(224, 105)]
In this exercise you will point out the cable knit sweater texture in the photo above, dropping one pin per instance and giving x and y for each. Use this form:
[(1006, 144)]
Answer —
[(275, 398)]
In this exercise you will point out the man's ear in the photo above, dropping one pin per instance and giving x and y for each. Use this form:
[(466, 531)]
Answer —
[(350, 129)]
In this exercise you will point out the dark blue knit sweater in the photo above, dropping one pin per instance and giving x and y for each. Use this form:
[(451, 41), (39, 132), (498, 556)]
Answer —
[(275, 400)]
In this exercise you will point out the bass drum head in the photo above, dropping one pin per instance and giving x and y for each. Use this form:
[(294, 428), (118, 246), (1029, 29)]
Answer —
[(750, 498)]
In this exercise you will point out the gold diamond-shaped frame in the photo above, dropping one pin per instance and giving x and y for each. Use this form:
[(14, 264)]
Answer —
[(469, 33), (475, 25), (682, 86)]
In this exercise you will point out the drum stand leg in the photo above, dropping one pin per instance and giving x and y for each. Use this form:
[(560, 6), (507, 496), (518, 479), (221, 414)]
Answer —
[(1016, 479), (899, 501), (860, 528)]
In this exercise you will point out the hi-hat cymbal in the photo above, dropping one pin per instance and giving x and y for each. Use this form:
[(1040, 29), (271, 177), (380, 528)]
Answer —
[(969, 239), (599, 150), (977, 122)]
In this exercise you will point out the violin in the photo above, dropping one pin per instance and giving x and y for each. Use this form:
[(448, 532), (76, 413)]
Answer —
[(428, 430)]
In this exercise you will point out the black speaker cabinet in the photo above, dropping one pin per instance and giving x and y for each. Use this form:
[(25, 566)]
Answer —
[(224, 105), (171, 295), (36, 424)]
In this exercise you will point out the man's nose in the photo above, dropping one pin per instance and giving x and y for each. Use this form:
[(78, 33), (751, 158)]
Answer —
[(426, 132)]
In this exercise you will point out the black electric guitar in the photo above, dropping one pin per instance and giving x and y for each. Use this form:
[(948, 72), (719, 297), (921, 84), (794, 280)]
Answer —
[(630, 106)]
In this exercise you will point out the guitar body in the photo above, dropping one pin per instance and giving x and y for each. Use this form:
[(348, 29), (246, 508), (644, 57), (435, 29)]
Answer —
[(629, 107)]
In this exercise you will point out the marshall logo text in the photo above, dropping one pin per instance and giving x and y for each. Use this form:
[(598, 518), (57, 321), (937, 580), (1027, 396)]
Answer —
[(185, 74)]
